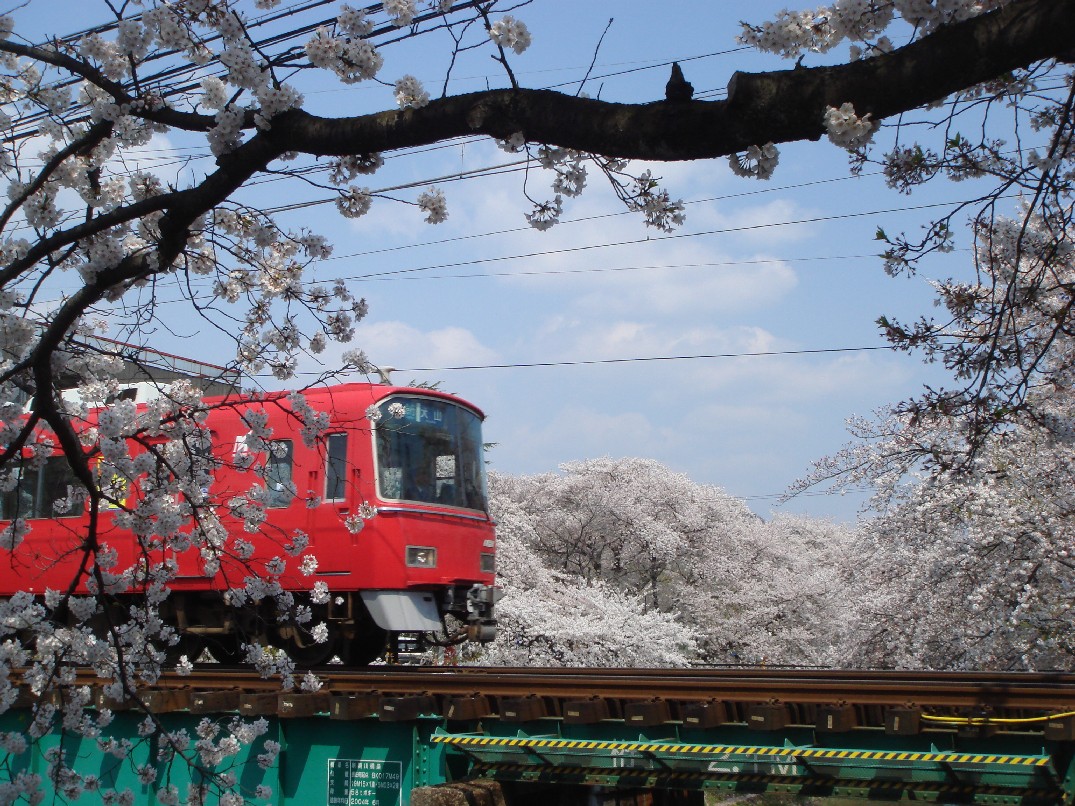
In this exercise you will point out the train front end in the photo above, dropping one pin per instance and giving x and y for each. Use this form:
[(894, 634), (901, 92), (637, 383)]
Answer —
[(432, 526)]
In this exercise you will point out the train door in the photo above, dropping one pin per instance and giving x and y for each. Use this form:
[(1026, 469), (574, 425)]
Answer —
[(332, 480)]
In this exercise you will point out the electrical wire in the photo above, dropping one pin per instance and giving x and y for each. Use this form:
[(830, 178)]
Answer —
[(640, 359), (660, 239), (987, 720), (616, 269)]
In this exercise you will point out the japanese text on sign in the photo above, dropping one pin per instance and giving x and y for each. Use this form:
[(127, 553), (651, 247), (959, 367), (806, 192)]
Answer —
[(352, 782)]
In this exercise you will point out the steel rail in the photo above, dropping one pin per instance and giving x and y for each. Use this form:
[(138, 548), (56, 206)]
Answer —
[(1041, 692)]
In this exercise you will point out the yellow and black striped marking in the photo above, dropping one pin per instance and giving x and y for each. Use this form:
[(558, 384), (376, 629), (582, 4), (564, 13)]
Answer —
[(748, 751)]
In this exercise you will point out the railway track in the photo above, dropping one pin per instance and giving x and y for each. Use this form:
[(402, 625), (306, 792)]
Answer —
[(975, 694)]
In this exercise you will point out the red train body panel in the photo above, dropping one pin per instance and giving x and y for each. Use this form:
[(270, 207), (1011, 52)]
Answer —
[(394, 505)]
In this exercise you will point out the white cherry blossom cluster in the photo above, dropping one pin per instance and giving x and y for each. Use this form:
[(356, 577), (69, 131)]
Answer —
[(314, 423), (569, 167), (410, 94), (345, 169), (172, 31), (758, 161), (320, 593), (275, 261), (270, 662), (569, 178), (12, 534), (354, 202), (353, 22), (927, 15), (434, 205), (401, 12), (546, 215), (846, 129), (510, 34), (244, 68), (273, 100), (984, 538), (993, 545), (22, 785), (793, 33), (227, 134), (357, 360), (352, 60), (656, 205), (514, 144), (271, 750), (113, 61)]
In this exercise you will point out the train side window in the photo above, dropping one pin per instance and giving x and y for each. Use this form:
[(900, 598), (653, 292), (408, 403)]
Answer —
[(42, 492), (279, 473), (335, 466), (18, 502), (58, 478)]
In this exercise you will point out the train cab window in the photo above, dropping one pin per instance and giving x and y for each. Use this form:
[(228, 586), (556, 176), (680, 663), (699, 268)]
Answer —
[(114, 486), (279, 473), (130, 393), (335, 467), (41, 492), (430, 450)]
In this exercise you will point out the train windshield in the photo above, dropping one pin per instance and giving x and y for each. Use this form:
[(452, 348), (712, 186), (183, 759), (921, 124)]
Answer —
[(430, 450)]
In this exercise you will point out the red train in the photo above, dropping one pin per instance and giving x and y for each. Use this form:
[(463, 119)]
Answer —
[(392, 497)]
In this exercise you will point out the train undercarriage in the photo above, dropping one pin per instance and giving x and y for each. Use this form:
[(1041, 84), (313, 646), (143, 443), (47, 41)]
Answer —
[(359, 626)]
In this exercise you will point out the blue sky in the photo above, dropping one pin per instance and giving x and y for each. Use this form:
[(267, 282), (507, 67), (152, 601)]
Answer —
[(740, 277)]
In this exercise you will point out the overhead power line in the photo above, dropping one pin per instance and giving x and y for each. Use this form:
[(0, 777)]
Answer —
[(665, 238), (758, 354)]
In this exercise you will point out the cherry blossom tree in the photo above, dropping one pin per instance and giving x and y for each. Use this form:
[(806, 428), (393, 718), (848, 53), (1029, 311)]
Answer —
[(554, 618), (780, 596), (972, 569), (683, 570), (966, 562), (75, 108)]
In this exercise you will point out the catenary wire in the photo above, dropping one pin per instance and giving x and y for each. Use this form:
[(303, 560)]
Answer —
[(663, 238), (644, 359)]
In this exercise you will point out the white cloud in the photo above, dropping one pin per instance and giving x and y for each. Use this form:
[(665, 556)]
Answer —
[(582, 338), (404, 345), (753, 225)]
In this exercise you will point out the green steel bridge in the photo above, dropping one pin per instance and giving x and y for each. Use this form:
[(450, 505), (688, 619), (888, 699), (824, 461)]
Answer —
[(449, 737)]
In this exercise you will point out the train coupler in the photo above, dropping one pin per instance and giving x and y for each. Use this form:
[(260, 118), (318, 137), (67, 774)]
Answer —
[(481, 599), (481, 631)]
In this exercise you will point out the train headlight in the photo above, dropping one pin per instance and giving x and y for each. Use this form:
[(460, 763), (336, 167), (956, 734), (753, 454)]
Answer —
[(487, 563), (421, 557)]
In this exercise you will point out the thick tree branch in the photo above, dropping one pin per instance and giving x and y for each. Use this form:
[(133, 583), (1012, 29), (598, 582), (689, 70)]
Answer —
[(780, 106)]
